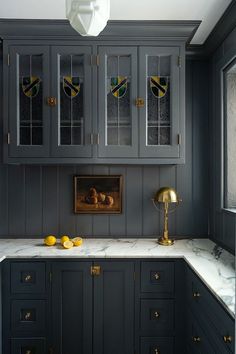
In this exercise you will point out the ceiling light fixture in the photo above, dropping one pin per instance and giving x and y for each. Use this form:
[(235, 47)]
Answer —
[(88, 17)]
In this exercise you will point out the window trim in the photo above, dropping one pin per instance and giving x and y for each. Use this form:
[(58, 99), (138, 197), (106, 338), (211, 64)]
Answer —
[(226, 68)]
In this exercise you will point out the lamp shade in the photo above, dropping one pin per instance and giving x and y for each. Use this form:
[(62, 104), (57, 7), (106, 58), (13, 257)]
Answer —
[(166, 195), (88, 17)]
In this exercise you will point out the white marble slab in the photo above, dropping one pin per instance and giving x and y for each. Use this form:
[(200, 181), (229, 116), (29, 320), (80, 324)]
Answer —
[(214, 266)]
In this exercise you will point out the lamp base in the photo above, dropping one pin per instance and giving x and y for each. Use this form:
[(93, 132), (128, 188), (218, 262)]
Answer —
[(165, 242)]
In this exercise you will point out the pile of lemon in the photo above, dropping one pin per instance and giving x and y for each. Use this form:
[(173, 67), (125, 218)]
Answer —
[(65, 241)]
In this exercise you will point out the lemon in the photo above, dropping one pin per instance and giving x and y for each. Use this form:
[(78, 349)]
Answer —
[(68, 244), (50, 240), (77, 241), (64, 238)]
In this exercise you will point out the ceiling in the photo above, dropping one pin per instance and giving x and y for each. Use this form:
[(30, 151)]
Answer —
[(207, 11)]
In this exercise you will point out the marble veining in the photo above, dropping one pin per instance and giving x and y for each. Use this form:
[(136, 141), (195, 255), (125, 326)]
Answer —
[(215, 266)]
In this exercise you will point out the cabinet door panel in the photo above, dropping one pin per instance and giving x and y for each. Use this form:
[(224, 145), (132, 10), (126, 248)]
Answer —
[(117, 91), (29, 115), (71, 86), (72, 308), (114, 309), (159, 87)]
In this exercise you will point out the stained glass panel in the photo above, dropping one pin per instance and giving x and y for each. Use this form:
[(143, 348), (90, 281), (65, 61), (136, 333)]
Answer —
[(158, 86), (30, 83), (118, 117), (71, 100)]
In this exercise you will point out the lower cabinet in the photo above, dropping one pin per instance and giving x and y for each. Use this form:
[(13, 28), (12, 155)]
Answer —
[(110, 307), (93, 307), (210, 328)]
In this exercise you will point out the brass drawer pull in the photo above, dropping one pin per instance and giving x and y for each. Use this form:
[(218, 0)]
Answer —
[(52, 101), (196, 294), (139, 102), (227, 339), (196, 339), (156, 351)]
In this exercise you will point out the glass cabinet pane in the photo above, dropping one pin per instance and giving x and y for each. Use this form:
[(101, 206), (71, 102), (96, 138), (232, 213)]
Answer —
[(118, 111), (158, 86), (71, 96), (30, 99)]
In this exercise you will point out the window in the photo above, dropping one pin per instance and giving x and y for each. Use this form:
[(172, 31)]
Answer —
[(229, 129)]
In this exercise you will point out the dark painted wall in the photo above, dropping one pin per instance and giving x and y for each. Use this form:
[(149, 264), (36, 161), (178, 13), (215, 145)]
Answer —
[(223, 223), (38, 200)]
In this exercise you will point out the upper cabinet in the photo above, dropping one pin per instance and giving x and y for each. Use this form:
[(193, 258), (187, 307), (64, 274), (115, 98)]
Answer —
[(94, 101)]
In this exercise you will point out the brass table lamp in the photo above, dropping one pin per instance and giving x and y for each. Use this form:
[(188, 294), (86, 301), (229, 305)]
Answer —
[(165, 195)]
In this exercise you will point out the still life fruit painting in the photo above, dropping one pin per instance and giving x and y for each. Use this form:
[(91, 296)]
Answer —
[(98, 194)]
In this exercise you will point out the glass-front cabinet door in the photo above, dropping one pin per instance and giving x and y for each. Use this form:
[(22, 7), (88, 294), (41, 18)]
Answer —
[(71, 89), (159, 88), (117, 113), (29, 123)]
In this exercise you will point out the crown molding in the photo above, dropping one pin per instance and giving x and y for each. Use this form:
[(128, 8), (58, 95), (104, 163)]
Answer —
[(61, 29)]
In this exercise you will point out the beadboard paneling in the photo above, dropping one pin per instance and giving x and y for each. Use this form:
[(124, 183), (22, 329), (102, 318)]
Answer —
[(38, 200)]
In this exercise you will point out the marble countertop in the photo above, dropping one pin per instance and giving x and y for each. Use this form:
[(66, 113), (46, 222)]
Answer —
[(214, 265)]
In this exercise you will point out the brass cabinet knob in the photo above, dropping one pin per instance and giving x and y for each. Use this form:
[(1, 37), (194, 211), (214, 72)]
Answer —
[(95, 270), (157, 276), (196, 339), (27, 278), (52, 101), (156, 351), (27, 316), (28, 351), (139, 102), (227, 339), (156, 314), (196, 294)]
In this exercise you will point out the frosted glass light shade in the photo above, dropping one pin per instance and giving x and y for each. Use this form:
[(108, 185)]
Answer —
[(88, 17)]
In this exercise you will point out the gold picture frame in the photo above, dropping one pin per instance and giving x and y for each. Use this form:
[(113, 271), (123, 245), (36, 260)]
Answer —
[(98, 194)]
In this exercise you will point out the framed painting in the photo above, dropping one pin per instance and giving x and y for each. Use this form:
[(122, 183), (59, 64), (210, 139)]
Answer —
[(98, 194)]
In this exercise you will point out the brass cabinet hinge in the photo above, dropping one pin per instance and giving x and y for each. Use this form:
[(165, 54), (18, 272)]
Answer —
[(8, 138), (8, 59), (179, 61), (179, 139), (95, 270), (97, 60), (94, 139)]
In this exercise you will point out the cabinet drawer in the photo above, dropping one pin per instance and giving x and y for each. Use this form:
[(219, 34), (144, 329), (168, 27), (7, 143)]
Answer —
[(28, 346), (28, 277), (207, 308), (28, 316), (157, 316), (197, 341), (156, 345), (157, 277)]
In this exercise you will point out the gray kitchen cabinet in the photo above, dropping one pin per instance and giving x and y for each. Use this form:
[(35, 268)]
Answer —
[(95, 103), (29, 116), (118, 123), (159, 86), (210, 328), (71, 119), (49, 101)]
